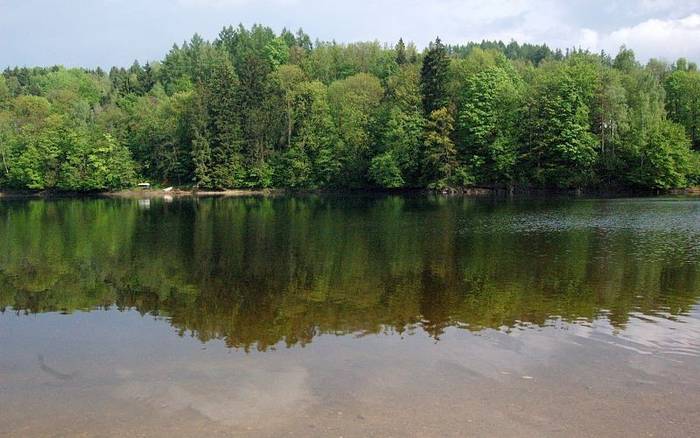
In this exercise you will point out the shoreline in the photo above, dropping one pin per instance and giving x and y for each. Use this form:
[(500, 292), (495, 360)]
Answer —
[(231, 193), (183, 193), (137, 194)]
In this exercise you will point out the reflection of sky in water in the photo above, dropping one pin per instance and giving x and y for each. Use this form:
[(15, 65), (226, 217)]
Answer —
[(123, 357), (647, 334)]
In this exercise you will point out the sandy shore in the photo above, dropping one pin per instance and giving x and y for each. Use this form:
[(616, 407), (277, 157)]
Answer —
[(140, 194), (180, 193)]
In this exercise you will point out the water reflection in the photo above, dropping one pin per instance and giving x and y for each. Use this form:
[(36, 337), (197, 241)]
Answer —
[(256, 272)]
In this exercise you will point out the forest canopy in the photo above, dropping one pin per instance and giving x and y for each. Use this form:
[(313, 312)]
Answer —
[(258, 109)]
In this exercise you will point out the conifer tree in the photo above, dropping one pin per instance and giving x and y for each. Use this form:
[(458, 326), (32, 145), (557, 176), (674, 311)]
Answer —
[(434, 77), (440, 161), (221, 99), (401, 58)]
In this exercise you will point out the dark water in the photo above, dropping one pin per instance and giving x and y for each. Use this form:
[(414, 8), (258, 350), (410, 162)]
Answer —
[(352, 316)]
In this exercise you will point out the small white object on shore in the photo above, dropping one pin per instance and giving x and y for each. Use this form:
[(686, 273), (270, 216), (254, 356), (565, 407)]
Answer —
[(168, 189)]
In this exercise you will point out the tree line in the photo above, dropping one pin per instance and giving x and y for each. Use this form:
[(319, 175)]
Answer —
[(258, 109)]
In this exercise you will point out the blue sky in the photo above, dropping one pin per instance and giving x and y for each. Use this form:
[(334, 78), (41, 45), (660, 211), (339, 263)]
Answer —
[(115, 32)]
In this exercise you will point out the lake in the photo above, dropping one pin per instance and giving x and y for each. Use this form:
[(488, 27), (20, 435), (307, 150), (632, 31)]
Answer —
[(356, 315)]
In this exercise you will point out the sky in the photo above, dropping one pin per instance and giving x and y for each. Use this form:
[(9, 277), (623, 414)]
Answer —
[(103, 33)]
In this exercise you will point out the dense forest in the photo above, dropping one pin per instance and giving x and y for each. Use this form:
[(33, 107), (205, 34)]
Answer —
[(259, 109)]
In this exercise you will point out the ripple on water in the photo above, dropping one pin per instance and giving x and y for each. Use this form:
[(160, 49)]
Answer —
[(661, 228), (677, 335)]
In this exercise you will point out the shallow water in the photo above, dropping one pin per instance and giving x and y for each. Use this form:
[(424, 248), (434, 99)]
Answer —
[(350, 316)]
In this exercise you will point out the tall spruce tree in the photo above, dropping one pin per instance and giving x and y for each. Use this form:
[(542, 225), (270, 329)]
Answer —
[(400, 48), (221, 93), (434, 77)]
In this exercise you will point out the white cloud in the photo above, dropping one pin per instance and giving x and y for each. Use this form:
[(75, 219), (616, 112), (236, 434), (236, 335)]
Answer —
[(589, 38), (89, 32), (659, 38), (653, 28)]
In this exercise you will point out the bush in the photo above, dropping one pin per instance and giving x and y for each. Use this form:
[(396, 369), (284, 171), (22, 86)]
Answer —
[(385, 172)]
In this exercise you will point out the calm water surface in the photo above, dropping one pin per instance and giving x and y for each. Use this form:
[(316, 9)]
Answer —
[(350, 316)]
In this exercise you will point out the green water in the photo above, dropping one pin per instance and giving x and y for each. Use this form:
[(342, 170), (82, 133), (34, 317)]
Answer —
[(231, 289), (259, 271)]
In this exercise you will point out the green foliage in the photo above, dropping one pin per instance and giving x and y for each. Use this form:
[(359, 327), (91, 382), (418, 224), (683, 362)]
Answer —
[(201, 160), (434, 77), (96, 164), (330, 61), (666, 160), (402, 137), (559, 148), (80, 85), (683, 100), (294, 169), (30, 110), (277, 52), (402, 123), (220, 97), (440, 161), (353, 103), (694, 169), (259, 175), (288, 79), (625, 60), (611, 123), (54, 155), (311, 160), (6, 140), (385, 171), (487, 124), (531, 53), (254, 108), (4, 93), (400, 48)]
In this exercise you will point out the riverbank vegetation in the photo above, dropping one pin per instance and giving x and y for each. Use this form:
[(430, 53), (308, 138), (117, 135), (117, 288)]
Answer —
[(256, 109)]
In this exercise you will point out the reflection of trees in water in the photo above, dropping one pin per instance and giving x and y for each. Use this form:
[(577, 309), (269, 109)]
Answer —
[(257, 272)]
